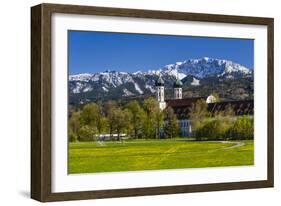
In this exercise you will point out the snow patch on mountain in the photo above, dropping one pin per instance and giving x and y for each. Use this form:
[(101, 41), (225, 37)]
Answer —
[(149, 87), (77, 88), (229, 76), (152, 72), (127, 93), (173, 69), (231, 67), (105, 89), (137, 87), (81, 77), (87, 89), (195, 82)]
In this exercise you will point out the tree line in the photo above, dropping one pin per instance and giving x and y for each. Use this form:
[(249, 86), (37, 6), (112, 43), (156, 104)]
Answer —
[(137, 120), (222, 125), (146, 121)]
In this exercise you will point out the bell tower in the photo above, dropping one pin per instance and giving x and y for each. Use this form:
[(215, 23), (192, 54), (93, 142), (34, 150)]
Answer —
[(178, 89), (160, 93)]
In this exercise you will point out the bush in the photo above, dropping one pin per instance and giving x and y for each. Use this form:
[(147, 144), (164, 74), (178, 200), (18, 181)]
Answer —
[(243, 128), (72, 136), (213, 129), (86, 133)]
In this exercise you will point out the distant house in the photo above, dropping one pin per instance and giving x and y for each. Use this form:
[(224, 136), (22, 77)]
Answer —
[(183, 106), (103, 137)]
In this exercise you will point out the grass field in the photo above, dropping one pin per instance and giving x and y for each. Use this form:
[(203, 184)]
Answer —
[(90, 157)]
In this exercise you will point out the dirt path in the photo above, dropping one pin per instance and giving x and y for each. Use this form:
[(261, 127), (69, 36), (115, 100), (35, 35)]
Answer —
[(238, 144)]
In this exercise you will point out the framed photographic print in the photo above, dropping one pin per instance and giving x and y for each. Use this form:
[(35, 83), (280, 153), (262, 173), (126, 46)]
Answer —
[(132, 102)]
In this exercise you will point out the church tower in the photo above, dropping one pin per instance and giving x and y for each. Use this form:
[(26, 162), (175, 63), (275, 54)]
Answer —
[(160, 93), (178, 89)]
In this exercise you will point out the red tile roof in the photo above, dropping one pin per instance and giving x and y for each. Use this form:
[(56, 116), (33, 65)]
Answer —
[(183, 102), (182, 107)]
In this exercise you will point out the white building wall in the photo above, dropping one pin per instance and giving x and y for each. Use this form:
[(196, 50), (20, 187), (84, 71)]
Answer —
[(177, 93), (160, 94), (185, 128)]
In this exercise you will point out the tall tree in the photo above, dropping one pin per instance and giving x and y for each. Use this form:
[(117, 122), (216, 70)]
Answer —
[(74, 126), (101, 120), (121, 121), (220, 124), (159, 117), (198, 114), (150, 106), (89, 114), (228, 111), (108, 106), (137, 117), (109, 109), (88, 119), (171, 127), (74, 122)]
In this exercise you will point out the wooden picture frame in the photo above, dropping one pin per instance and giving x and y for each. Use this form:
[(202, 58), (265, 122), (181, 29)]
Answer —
[(41, 96)]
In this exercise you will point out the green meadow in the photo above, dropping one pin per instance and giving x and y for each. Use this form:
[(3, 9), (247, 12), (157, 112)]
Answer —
[(135, 155)]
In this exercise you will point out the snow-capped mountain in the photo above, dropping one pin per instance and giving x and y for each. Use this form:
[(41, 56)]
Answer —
[(142, 82), (207, 67)]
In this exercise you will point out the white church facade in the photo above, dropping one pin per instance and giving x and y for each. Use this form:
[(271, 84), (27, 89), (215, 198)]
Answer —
[(184, 123)]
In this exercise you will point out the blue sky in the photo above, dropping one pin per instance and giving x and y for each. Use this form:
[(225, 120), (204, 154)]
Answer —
[(91, 52)]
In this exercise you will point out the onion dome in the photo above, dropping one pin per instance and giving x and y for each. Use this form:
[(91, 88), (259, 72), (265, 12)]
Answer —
[(159, 82), (178, 84)]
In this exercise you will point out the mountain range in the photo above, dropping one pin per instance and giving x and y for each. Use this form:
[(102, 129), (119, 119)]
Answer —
[(196, 74)]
